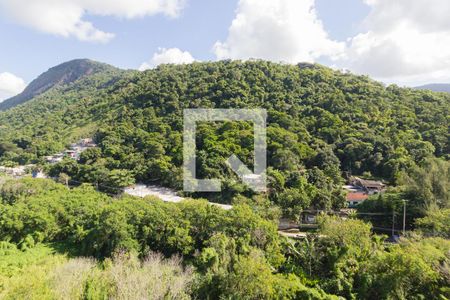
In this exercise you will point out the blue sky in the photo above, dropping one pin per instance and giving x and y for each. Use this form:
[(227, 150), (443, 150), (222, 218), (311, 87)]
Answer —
[(371, 37), (28, 53)]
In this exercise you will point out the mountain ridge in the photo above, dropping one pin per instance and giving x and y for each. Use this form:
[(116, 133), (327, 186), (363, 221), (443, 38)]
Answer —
[(435, 87), (60, 75)]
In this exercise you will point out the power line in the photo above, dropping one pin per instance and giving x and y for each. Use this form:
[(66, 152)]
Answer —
[(340, 212)]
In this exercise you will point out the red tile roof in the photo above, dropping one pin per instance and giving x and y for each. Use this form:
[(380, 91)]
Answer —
[(357, 196)]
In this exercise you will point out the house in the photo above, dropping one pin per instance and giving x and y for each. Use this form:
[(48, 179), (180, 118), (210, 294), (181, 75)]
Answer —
[(352, 189), (358, 190), (356, 198), (369, 186)]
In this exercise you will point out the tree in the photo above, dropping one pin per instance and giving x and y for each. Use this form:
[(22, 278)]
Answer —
[(427, 185), (118, 179), (64, 178), (411, 270), (435, 223)]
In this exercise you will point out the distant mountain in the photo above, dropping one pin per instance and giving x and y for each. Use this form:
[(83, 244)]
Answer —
[(435, 87), (60, 75)]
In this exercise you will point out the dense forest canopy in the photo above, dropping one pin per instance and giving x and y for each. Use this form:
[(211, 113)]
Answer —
[(323, 125)]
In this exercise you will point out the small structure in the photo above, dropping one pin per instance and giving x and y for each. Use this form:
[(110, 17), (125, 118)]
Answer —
[(369, 186), (355, 198), (358, 190), (351, 188)]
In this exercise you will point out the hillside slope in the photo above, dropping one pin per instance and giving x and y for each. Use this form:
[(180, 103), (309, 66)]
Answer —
[(322, 126), (60, 75)]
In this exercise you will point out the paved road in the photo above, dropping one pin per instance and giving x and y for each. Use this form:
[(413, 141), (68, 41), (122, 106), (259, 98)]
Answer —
[(165, 194)]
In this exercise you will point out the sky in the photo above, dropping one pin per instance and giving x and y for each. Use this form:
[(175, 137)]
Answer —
[(406, 42)]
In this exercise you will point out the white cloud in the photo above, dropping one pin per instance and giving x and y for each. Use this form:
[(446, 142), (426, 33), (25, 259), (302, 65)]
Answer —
[(65, 17), (168, 56), (406, 41), (402, 41), (283, 30), (10, 85)]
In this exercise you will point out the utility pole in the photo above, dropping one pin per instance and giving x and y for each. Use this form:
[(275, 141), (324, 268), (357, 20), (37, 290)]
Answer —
[(404, 216)]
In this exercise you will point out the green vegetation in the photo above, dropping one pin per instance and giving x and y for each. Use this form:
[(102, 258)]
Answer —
[(425, 188), (61, 243), (86, 240), (435, 223), (323, 124)]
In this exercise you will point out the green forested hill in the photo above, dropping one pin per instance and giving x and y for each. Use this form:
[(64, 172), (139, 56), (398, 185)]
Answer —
[(322, 124)]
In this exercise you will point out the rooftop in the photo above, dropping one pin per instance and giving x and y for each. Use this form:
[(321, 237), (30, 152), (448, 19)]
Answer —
[(358, 196)]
